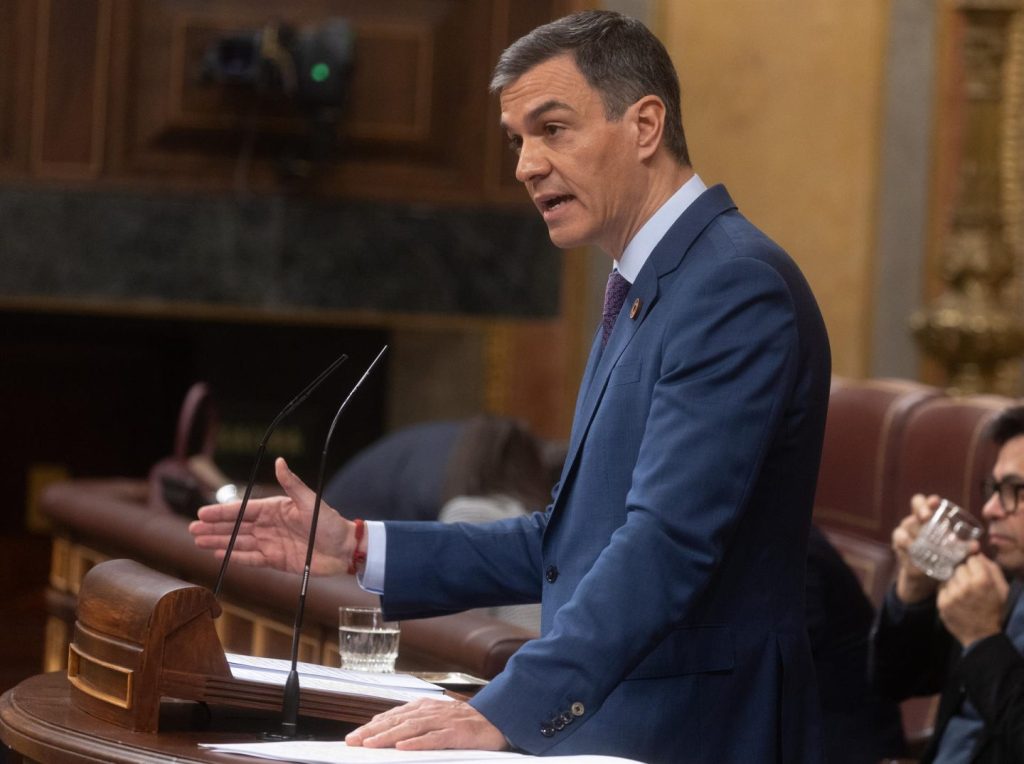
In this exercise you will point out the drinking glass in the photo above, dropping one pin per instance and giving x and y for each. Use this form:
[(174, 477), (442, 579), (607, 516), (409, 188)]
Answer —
[(366, 641), (945, 540)]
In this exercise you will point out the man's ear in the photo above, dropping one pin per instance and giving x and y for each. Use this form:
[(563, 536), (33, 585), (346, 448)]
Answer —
[(650, 124)]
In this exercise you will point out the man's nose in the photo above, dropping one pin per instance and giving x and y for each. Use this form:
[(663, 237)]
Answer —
[(993, 509), (532, 162)]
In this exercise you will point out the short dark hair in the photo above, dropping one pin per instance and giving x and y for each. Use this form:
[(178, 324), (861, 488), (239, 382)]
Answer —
[(618, 56), (1007, 426)]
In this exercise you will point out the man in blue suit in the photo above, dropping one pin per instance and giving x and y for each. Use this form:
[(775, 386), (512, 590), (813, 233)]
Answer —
[(670, 563)]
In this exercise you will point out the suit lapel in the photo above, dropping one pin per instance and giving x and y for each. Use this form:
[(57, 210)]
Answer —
[(665, 258)]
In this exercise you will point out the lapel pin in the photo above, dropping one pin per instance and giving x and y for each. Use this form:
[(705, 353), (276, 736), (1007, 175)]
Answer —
[(635, 310)]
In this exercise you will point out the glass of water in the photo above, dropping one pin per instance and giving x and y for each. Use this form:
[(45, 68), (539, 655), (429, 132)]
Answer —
[(945, 540), (366, 641)]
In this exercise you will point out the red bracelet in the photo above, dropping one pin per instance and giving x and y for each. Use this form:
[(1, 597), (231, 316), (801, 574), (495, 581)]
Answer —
[(358, 557)]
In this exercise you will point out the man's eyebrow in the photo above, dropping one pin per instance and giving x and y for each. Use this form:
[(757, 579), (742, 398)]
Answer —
[(537, 111)]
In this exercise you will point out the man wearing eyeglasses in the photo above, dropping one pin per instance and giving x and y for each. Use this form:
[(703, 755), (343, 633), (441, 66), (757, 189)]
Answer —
[(964, 637)]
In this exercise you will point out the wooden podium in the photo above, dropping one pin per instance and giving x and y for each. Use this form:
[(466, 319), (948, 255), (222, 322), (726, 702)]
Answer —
[(141, 636)]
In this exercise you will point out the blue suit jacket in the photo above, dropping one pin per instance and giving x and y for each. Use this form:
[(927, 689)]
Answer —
[(670, 564)]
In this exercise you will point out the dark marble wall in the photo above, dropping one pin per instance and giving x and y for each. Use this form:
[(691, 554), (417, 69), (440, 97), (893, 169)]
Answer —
[(275, 252)]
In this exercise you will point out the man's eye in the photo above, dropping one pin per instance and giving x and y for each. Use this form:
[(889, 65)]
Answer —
[(553, 129), (515, 145)]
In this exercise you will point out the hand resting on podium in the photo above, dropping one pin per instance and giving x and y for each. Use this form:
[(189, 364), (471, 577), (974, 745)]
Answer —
[(274, 534)]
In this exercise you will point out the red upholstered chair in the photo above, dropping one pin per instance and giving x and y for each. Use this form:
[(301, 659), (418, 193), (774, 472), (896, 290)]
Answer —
[(864, 426), (942, 450), (872, 561)]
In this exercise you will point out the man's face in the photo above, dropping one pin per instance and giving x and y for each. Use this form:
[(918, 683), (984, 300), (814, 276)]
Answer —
[(1005, 531), (580, 169)]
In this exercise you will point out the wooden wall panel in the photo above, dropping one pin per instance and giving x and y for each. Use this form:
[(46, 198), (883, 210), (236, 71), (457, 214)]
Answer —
[(70, 88), (8, 52), (390, 99), (418, 97), (17, 30), (111, 90)]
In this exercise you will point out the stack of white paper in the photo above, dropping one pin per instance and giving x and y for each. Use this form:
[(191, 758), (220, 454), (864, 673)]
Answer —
[(400, 687), (336, 752)]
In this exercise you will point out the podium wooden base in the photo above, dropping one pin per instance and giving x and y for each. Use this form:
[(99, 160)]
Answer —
[(141, 636), (40, 723)]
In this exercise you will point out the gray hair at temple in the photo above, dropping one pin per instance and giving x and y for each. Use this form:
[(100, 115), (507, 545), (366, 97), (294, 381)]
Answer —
[(618, 56)]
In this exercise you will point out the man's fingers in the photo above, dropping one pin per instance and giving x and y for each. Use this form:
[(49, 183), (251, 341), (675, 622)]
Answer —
[(214, 513), (429, 741), (377, 728), (391, 737), (429, 724), (218, 529), (901, 539), (292, 484), (923, 506), (987, 574)]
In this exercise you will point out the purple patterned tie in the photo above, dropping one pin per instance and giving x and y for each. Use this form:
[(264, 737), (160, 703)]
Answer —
[(614, 295)]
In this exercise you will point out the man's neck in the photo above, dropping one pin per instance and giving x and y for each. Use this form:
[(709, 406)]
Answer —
[(662, 181), (643, 242)]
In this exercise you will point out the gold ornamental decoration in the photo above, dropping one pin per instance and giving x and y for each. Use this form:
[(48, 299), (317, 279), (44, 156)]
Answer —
[(973, 328)]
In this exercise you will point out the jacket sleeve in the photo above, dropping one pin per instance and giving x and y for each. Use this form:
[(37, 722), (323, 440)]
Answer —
[(910, 649), (992, 673), (435, 568)]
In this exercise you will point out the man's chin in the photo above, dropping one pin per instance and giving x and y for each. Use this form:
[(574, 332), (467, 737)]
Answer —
[(565, 239), (1011, 561)]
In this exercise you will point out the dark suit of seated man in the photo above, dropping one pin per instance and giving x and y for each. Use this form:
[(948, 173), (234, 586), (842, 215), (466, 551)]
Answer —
[(860, 726), (965, 637)]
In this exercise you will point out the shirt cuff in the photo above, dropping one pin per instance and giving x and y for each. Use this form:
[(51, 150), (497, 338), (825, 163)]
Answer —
[(372, 577)]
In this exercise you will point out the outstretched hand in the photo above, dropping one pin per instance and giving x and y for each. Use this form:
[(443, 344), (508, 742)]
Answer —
[(275, 530)]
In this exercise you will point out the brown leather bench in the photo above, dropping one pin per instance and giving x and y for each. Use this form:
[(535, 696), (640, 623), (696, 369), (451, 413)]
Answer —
[(100, 519)]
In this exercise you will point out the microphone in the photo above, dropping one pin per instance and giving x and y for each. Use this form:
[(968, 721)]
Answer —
[(294, 404), (290, 706)]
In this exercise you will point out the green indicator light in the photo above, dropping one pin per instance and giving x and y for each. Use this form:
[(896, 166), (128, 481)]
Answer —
[(320, 72)]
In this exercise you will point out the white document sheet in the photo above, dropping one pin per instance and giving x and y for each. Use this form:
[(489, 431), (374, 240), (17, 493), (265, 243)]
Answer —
[(336, 752), (400, 687)]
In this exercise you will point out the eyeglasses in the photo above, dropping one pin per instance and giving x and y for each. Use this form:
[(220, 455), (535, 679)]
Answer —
[(1008, 490)]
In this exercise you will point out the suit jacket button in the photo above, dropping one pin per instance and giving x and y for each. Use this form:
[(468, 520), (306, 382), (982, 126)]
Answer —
[(551, 574), (567, 718), (547, 731), (577, 709)]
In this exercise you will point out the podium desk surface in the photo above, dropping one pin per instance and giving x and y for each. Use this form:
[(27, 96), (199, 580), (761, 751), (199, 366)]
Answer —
[(39, 723)]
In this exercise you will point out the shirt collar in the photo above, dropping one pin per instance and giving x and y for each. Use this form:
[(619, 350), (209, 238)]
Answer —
[(651, 232)]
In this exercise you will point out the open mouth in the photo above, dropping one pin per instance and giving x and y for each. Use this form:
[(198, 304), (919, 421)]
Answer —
[(556, 201)]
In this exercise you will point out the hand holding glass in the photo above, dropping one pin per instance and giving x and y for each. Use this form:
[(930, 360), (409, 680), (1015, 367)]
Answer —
[(945, 540), (366, 641)]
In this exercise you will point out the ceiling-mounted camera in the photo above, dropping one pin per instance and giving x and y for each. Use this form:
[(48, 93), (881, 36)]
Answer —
[(310, 67)]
